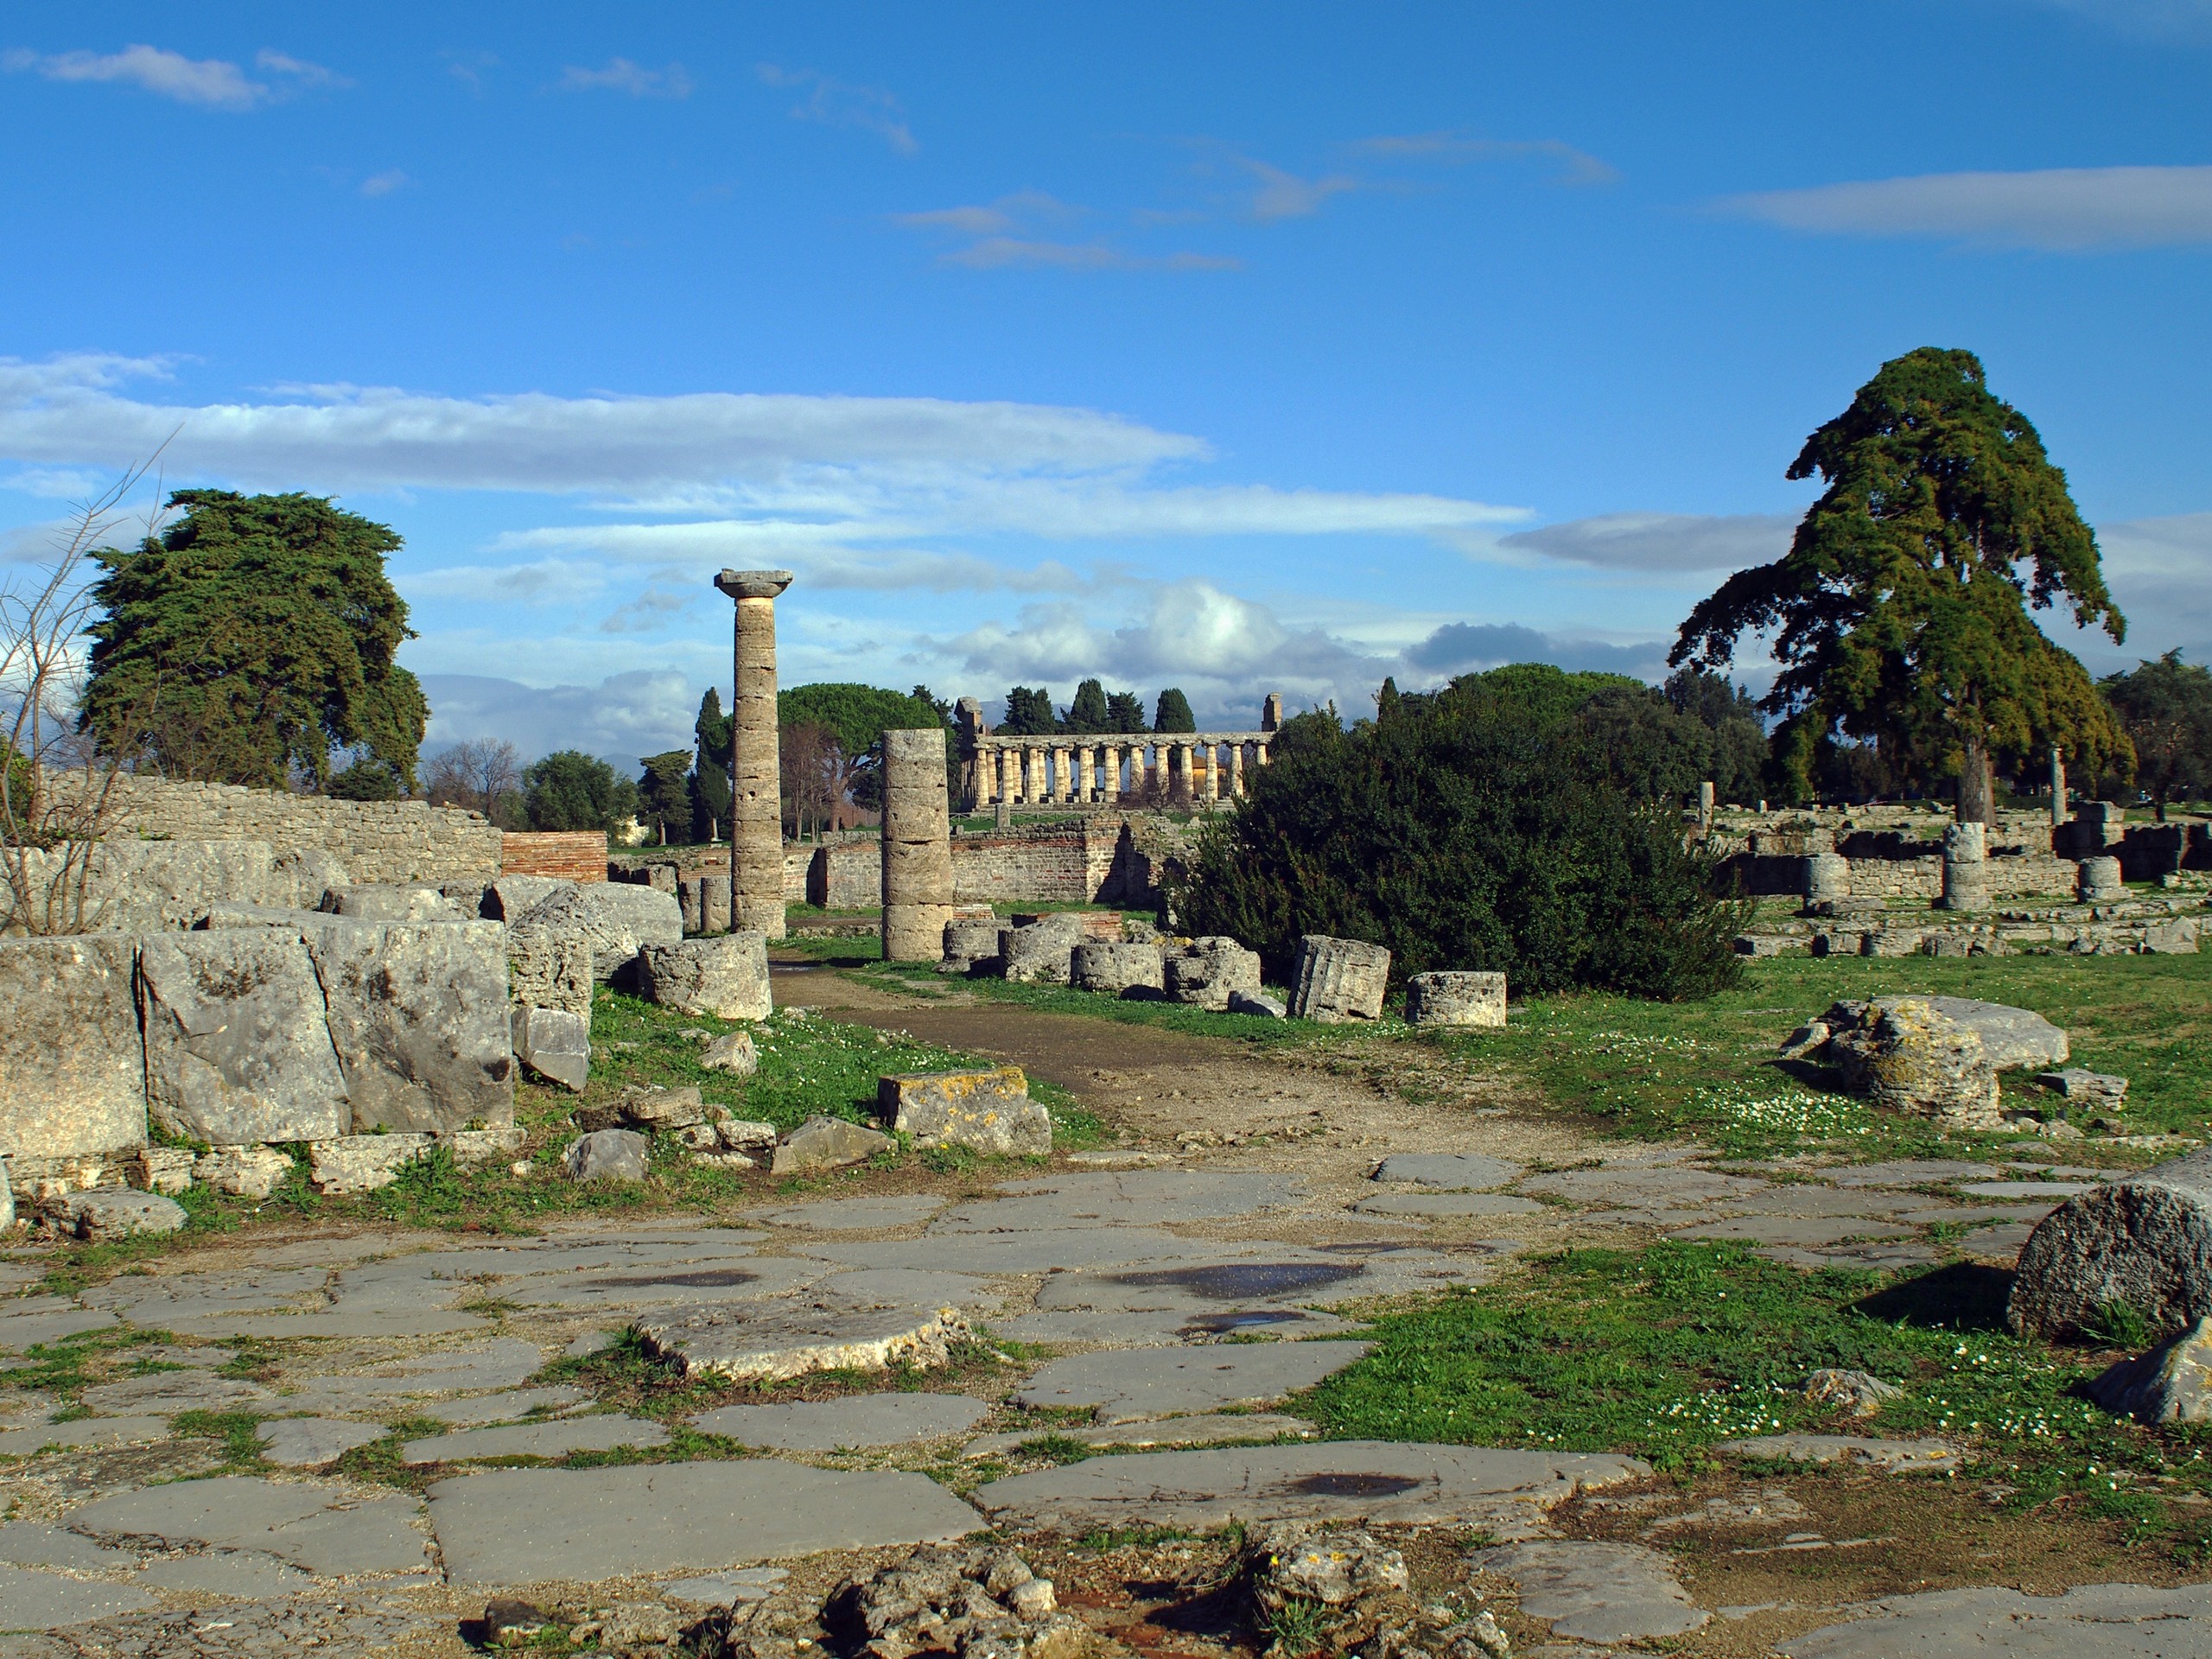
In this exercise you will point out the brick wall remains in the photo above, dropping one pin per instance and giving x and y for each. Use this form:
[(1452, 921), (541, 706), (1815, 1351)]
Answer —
[(570, 855)]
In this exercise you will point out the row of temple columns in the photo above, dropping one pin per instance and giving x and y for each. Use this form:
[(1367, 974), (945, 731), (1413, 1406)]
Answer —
[(1199, 768)]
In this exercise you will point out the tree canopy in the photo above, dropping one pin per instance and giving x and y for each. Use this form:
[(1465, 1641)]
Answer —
[(1028, 713), (251, 639), (571, 790), (1900, 612), (2167, 707), (1462, 835), (1173, 713), (850, 721), (1088, 712), (712, 733), (1125, 712), (665, 793)]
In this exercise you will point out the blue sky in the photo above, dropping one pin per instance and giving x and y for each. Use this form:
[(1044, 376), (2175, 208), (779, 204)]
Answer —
[(1242, 348)]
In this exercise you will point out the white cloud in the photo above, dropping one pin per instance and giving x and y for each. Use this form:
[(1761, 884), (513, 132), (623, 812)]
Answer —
[(383, 184), (210, 83), (1012, 231), (621, 75), (1661, 540), (623, 717), (1573, 166), (1285, 196), (2063, 209), (2160, 573), (839, 104)]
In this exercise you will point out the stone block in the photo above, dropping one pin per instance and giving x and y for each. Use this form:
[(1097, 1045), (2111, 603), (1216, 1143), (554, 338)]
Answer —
[(418, 1015), (393, 903), (2145, 1241), (1827, 879), (2009, 1037), (1040, 954), (2172, 1383), (2099, 881), (1965, 867), (1258, 1004), (238, 1049), (303, 876), (1115, 969), (549, 968), (727, 978), (688, 900), (472, 1148), (606, 1155), (2077, 1082), (972, 939), (617, 918), (1912, 1059), (713, 904), (651, 1108), (166, 1170), (1455, 999), (987, 1111), (513, 897), (109, 1212), (242, 1171), (1338, 980), (555, 1045), (914, 932), (2175, 938), (734, 1052), (361, 1163), (73, 1069), (148, 886), (1210, 972), (826, 1143)]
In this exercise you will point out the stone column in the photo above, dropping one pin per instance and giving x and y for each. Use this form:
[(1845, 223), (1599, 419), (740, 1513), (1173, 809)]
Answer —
[(1260, 755), (1965, 867), (917, 846), (2057, 787), (1109, 785), (713, 904), (756, 819), (1033, 774), (1236, 771), (968, 713), (1705, 804), (1085, 760), (1064, 775), (1003, 776), (1212, 786)]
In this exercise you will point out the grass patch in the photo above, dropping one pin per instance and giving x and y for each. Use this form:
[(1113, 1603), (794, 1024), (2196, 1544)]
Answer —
[(1664, 1351), (67, 1365), (1656, 1070), (239, 1433), (1167, 1016)]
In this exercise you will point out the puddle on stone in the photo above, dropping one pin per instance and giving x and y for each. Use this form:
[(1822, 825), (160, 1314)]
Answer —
[(1244, 1320), (703, 1278), (1242, 1281), (1341, 1485)]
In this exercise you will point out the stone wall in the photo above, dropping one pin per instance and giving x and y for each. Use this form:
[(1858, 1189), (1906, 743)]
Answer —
[(376, 841), (569, 854)]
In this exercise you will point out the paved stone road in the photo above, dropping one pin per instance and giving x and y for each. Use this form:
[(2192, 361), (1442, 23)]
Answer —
[(1139, 1276)]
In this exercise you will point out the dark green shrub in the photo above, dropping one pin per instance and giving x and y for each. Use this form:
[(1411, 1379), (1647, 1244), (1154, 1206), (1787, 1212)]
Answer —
[(1463, 835)]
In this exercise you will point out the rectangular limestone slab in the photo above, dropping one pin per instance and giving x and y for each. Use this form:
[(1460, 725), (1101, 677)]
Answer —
[(73, 1076)]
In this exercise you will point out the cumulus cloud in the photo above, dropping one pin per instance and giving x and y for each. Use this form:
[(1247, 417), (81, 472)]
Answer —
[(621, 75), (2061, 209), (208, 83), (1465, 648), (622, 718), (839, 104), (2156, 568), (1661, 542)]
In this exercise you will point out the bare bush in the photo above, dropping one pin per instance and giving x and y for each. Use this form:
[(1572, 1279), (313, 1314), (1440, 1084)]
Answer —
[(483, 773), (60, 788)]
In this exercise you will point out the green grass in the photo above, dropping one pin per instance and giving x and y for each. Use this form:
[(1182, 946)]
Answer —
[(1652, 1070), (1663, 1351), (65, 1366), (237, 1432)]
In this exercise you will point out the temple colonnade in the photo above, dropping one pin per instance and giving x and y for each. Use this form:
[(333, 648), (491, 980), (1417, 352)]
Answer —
[(1186, 767)]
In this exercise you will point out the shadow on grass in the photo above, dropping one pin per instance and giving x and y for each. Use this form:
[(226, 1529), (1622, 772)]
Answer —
[(1963, 1296)]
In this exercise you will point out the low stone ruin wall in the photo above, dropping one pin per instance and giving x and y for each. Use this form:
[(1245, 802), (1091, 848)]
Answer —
[(377, 840)]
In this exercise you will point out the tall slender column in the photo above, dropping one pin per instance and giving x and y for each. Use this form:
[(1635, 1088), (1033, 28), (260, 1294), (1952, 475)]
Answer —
[(2057, 787), (1236, 770), (917, 846), (1109, 785), (1033, 774), (1213, 770), (1002, 775), (1063, 775), (756, 829), (1085, 757)]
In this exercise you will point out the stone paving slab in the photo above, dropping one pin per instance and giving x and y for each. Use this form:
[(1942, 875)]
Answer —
[(1039, 1250), (1127, 1385), (913, 1287), (2002, 1244), (26, 1543), (322, 1528), (850, 1214), (778, 1341), (1862, 1257), (234, 1574), (861, 1420), (504, 1363), (1507, 1492), (1891, 1457), (1168, 1327), (2109, 1621), (85, 1430), (179, 1298), (507, 1406), (1462, 1171), (1802, 1198), (1604, 1593), (1211, 1429), (1632, 1188), (1810, 1232), (306, 1442), (1906, 1172), (31, 1600), (167, 1392), (553, 1439), (2052, 1190), (1448, 1204), (513, 1527), (1148, 1197), (725, 1589), (21, 1330), (678, 1283)]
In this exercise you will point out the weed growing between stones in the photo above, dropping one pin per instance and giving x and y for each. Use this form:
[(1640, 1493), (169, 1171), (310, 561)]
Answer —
[(65, 1366), (1665, 1351), (237, 1432)]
